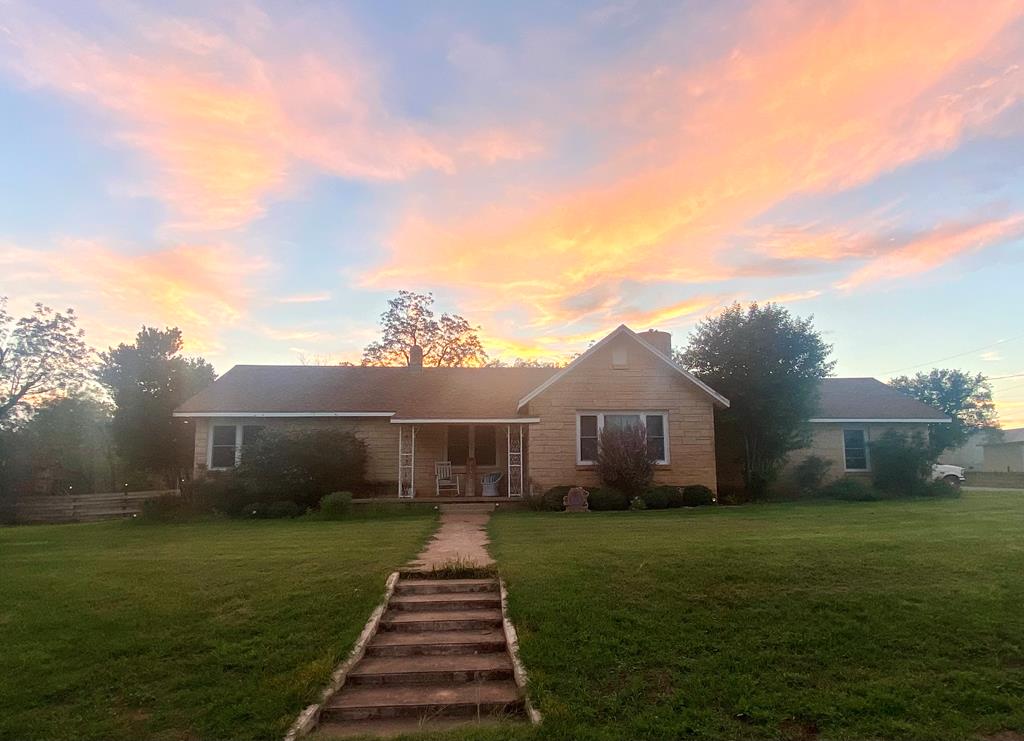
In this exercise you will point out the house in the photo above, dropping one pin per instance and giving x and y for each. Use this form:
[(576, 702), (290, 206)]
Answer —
[(853, 412), (537, 427), (1004, 452)]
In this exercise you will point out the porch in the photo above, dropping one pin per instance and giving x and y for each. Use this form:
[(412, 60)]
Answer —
[(469, 452)]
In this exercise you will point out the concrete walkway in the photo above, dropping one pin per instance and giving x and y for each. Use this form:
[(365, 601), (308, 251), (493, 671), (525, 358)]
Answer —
[(462, 537)]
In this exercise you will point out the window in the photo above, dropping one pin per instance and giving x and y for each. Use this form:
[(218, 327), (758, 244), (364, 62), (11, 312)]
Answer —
[(479, 442), (250, 433), (485, 445), (855, 450), (590, 424), (222, 447)]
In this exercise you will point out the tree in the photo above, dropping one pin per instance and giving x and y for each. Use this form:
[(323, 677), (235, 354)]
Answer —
[(71, 445), (451, 341), (147, 380), (768, 363), (624, 459), (965, 398), (41, 355)]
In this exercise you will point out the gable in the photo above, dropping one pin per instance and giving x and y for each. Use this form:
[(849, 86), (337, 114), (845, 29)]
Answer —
[(623, 350)]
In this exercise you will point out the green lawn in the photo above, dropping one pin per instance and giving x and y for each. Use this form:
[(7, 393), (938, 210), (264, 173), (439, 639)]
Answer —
[(897, 620), (205, 631)]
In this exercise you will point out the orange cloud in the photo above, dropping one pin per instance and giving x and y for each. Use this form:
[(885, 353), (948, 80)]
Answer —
[(201, 289), (228, 124), (933, 249), (821, 102)]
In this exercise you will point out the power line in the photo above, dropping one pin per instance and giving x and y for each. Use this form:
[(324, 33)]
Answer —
[(999, 378), (958, 355)]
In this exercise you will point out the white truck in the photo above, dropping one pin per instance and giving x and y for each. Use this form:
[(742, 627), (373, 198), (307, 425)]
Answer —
[(951, 475)]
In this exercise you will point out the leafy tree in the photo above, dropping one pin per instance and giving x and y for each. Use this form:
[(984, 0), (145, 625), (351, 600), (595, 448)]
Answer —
[(768, 363), (41, 355), (966, 398), (449, 341), (900, 463), (71, 445), (147, 380)]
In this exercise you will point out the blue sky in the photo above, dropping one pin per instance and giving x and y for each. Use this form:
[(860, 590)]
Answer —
[(266, 175)]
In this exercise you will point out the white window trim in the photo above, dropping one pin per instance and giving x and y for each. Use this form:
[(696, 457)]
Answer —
[(643, 413), (867, 451), (239, 435)]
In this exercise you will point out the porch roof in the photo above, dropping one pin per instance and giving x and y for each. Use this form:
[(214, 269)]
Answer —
[(400, 393)]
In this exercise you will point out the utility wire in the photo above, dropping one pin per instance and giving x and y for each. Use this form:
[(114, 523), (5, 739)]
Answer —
[(958, 355)]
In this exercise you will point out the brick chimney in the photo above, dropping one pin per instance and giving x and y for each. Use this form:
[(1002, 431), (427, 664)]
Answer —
[(415, 356), (661, 341)]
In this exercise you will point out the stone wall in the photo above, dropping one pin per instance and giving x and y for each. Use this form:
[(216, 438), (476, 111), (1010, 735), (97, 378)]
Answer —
[(645, 383)]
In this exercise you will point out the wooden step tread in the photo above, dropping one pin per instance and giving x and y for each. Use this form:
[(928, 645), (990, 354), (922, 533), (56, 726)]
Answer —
[(420, 664), (438, 637), (426, 695), (425, 616), (384, 727), (451, 583), (486, 598)]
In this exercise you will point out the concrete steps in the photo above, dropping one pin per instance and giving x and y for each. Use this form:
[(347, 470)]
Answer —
[(439, 659)]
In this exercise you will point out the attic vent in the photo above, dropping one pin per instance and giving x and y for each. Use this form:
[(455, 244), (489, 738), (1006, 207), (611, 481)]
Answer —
[(620, 357)]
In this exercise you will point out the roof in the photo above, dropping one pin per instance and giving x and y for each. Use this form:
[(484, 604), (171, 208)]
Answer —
[(1005, 437), (868, 399), (622, 329), (405, 393)]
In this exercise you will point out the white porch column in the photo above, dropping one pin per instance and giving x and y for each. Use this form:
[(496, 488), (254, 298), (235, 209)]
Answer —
[(514, 447), (407, 461)]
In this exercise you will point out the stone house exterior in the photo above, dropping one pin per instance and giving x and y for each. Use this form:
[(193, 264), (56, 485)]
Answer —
[(854, 412), (536, 427)]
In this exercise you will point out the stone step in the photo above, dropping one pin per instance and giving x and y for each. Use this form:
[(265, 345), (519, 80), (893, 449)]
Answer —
[(476, 699), (389, 727), (407, 620), (436, 643), (434, 602), (431, 669), (445, 586)]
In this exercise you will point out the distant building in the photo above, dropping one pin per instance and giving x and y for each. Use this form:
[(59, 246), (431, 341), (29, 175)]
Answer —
[(1004, 452), (971, 455)]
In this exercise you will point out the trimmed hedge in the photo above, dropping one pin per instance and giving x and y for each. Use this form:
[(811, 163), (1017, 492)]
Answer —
[(336, 505), (697, 495), (849, 489), (554, 498), (605, 499), (663, 497)]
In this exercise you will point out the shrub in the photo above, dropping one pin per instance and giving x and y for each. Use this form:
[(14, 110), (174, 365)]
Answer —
[(849, 489), (272, 510), (535, 502), (554, 498), (939, 490), (697, 495), (336, 505), (899, 463), (809, 474), (606, 499), (637, 504), (168, 508), (661, 497), (303, 465), (624, 461), (225, 492)]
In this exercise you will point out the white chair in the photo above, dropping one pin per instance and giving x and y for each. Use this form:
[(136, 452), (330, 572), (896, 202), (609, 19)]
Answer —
[(490, 483), (444, 479)]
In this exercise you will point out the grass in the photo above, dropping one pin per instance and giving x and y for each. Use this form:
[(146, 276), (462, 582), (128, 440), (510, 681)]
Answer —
[(208, 630), (890, 620)]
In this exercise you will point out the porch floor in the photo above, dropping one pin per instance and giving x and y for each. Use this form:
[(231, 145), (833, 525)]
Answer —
[(440, 500)]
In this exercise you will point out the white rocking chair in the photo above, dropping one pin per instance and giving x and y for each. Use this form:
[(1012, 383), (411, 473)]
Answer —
[(445, 480)]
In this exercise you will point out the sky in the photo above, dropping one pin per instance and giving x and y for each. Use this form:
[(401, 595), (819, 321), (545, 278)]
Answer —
[(266, 175)]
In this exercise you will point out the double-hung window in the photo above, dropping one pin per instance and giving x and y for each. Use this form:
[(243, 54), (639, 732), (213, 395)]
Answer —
[(228, 443), (855, 450), (590, 424)]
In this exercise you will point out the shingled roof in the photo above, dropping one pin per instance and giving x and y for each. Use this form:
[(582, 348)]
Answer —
[(869, 399), (407, 393)]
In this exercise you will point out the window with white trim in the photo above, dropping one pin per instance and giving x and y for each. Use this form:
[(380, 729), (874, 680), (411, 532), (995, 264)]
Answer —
[(590, 424), (228, 443), (855, 450)]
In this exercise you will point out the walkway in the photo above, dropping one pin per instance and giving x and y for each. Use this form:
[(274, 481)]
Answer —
[(461, 538)]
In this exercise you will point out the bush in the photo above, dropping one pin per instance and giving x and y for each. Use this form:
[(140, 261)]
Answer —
[(273, 510), (606, 499), (661, 497), (809, 475), (303, 465), (849, 489), (637, 504), (554, 498), (900, 464), (535, 502), (336, 505), (168, 508), (697, 495), (624, 461), (225, 492), (939, 490)]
